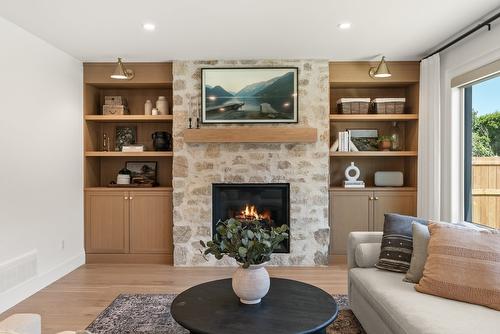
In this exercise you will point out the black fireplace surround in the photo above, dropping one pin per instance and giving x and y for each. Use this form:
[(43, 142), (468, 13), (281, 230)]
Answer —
[(267, 202)]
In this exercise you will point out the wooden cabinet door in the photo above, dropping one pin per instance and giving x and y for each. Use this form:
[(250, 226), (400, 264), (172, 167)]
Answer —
[(402, 202), (151, 222), (349, 211), (106, 222)]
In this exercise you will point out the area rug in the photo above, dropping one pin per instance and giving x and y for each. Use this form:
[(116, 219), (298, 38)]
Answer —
[(150, 314)]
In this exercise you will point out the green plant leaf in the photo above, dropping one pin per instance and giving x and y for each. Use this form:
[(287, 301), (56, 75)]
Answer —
[(242, 251)]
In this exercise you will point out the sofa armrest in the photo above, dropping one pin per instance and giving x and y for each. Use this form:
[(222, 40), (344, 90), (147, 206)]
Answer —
[(356, 238), (22, 323)]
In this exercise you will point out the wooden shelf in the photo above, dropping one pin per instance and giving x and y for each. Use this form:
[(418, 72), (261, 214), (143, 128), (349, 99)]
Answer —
[(251, 135), (129, 154), (375, 154), (372, 117), (129, 118), (339, 188), (129, 189)]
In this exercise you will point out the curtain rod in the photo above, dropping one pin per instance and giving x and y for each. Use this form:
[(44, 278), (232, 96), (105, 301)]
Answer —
[(486, 23)]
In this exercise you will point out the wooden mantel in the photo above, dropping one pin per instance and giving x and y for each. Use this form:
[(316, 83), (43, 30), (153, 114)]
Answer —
[(251, 135)]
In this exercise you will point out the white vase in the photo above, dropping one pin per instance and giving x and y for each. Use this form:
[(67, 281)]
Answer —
[(148, 107), (251, 284), (162, 105)]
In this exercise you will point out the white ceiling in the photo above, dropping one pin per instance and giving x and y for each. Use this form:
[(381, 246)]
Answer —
[(100, 30)]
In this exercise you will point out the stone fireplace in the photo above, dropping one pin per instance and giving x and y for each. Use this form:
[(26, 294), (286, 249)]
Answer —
[(304, 167), (268, 203)]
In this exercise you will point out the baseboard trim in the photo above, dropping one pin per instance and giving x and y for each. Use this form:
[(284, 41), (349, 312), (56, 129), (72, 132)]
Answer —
[(26, 289), (130, 258)]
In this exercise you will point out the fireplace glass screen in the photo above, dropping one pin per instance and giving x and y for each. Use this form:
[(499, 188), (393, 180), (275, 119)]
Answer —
[(267, 202)]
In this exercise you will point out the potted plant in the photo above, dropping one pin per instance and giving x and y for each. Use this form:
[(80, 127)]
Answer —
[(384, 143), (251, 245)]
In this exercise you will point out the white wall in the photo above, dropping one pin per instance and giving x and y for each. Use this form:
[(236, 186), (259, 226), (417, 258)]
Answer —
[(477, 50), (41, 202)]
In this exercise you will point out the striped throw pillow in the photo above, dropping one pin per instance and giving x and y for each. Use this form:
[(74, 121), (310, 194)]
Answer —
[(397, 242)]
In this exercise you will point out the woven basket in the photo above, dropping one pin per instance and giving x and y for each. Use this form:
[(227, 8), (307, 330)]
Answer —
[(389, 107), (353, 107)]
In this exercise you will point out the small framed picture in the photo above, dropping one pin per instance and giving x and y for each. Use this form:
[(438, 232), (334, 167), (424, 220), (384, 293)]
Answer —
[(125, 135), (249, 95), (142, 172), (364, 139)]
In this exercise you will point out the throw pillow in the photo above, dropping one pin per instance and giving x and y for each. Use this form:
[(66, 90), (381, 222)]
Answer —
[(366, 254), (463, 264), (397, 242), (421, 238)]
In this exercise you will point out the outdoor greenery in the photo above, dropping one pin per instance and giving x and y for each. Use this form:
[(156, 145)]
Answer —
[(486, 134), (246, 241)]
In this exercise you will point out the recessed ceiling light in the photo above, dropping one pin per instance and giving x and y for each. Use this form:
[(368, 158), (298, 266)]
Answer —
[(344, 25), (149, 26)]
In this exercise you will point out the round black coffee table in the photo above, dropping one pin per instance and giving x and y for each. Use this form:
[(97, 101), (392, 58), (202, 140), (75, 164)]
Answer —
[(289, 307)]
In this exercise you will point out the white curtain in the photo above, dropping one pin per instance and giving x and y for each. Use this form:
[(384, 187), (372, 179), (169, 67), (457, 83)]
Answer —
[(429, 145)]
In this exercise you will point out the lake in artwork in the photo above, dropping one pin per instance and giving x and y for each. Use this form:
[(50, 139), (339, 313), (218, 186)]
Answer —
[(249, 95)]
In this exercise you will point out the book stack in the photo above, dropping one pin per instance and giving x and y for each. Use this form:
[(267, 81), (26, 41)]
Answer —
[(133, 148), (354, 184), (115, 105)]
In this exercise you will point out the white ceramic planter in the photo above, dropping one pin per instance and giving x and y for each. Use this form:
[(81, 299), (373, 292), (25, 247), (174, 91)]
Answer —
[(251, 284)]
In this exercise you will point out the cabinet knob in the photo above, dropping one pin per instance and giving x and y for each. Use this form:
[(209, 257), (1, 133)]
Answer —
[(125, 197), (370, 198), (131, 197), (376, 198)]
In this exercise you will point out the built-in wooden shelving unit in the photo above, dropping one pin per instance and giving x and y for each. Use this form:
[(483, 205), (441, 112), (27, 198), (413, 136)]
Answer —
[(126, 224), (363, 209), (271, 134)]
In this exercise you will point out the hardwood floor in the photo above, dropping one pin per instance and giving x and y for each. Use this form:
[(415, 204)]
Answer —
[(75, 300)]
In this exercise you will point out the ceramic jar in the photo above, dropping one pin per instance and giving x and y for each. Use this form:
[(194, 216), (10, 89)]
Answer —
[(162, 141), (251, 284), (162, 105), (148, 107)]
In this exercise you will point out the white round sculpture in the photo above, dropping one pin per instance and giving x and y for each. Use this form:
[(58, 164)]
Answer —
[(348, 170), (251, 284)]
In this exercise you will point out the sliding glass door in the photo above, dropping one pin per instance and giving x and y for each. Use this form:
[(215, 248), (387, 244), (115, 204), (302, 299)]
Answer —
[(482, 152)]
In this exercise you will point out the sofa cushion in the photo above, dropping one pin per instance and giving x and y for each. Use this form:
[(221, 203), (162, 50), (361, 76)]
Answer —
[(397, 242), (367, 254), (408, 312), (463, 264)]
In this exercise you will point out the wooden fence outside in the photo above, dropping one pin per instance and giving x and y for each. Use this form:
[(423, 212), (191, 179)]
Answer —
[(486, 191)]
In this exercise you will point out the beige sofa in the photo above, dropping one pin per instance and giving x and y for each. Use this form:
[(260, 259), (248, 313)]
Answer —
[(384, 304)]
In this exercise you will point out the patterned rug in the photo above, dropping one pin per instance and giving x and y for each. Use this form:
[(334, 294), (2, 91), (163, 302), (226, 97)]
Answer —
[(150, 314)]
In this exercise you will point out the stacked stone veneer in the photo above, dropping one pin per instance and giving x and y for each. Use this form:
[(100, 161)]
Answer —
[(304, 166)]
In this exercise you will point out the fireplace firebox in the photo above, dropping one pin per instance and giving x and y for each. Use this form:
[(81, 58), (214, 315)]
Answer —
[(267, 202)]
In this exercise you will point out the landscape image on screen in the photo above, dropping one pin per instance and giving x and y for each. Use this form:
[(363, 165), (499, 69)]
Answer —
[(250, 95)]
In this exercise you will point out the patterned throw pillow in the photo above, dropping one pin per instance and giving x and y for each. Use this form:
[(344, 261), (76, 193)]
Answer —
[(397, 242), (463, 264)]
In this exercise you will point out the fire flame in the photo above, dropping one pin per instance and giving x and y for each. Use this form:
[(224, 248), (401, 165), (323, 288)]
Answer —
[(250, 212)]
